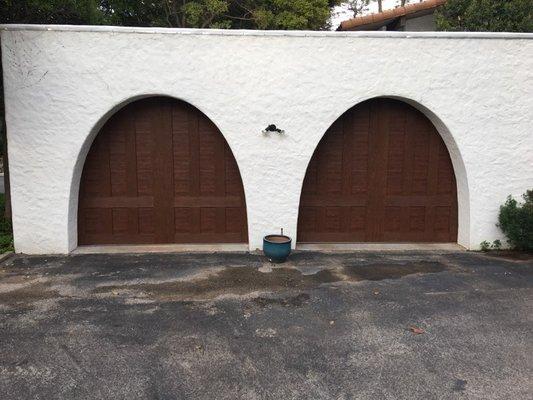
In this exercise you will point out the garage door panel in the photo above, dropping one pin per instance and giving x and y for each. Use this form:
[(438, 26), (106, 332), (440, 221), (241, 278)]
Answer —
[(207, 237), (97, 179), (333, 219), (232, 178), (97, 221), (118, 162), (110, 238), (160, 172), (146, 220), (311, 178), (144, 164), (208, 220), (234, 219), (121, 220), (417, 219), (400, 174), (208, 155), (393, 219), (360, 147), (443, 219), (446, 177), (309, 216), (358, 219), (181, 146), (332, 237), (184, 220)]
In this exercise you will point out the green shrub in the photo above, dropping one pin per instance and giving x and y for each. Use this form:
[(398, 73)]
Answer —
[(496, 245), (6, 235), (484, 245), (516, 222)]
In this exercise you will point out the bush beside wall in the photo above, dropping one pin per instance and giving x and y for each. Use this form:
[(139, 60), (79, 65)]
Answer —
[(516, 222)]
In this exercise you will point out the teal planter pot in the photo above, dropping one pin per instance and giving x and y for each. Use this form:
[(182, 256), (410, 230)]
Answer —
[(277, 247)]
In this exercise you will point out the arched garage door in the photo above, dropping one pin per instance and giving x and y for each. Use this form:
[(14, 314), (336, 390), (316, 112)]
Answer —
[(160, 171), (381, 174)]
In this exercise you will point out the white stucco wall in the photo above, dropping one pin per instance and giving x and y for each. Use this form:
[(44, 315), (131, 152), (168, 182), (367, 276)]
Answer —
[(61, 83)]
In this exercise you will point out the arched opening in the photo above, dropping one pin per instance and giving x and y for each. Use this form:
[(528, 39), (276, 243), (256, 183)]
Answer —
[(159, 171), (381, 173)]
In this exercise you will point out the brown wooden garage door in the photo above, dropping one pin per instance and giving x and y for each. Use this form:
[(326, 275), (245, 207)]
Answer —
[(381, 174), (160, 171)]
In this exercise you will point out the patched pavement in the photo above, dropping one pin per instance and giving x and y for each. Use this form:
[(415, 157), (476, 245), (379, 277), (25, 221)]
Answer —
[(406, 325)]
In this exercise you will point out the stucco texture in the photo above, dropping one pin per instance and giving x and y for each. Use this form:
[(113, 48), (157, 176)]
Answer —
[(62, 84)]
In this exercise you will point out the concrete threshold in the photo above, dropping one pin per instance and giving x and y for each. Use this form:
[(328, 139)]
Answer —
[(339, 247), (162, 248), (243, 247)]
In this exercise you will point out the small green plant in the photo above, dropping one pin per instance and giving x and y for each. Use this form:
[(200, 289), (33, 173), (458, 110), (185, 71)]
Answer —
[(6, 235), (516, 222), (496, 245), (485, 246)]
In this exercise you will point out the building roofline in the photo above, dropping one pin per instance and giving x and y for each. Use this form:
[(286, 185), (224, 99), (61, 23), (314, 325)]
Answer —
[(386, 16), (233, 32)]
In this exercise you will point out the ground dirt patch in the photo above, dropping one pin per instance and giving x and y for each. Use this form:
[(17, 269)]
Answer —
[(378, 272), (28, 294), (240, 281)]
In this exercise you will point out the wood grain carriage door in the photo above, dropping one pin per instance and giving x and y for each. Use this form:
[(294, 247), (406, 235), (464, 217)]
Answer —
[(380, 174), (160, 172), (208, 197)]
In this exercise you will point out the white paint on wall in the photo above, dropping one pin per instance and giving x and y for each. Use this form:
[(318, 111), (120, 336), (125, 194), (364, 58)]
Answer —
[(62, 83)]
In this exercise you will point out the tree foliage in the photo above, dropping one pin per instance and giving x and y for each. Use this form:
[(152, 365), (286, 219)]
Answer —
[(284, 14), (51, 12), (486, 15), (243, 14), (358, 6)]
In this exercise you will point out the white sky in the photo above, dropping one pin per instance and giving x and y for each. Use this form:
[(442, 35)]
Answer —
[(341, 13)]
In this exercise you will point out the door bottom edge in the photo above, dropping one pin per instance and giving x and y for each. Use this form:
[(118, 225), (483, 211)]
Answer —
[(162, 248), (376, 246)]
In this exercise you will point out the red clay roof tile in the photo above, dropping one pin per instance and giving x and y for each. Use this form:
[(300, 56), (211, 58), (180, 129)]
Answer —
[(389, 14)]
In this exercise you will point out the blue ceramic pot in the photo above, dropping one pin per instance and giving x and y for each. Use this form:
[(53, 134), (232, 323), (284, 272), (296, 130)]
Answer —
[(277, 247)]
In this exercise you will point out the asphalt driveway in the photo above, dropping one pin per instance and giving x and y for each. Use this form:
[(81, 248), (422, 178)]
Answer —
[(424, 325)]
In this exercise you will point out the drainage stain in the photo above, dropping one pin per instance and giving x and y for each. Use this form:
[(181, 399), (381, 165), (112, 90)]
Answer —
[(235, 281), (239, 281), (378, 272)]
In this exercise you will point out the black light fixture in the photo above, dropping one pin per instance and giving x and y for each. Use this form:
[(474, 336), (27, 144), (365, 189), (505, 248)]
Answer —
[(273, 128)]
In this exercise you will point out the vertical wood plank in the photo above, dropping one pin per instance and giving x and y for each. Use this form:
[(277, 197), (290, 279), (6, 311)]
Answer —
[(347, 168), (220, 181), (378, 170), (131, 169), (433, 175), (163, 167), (194, 148)]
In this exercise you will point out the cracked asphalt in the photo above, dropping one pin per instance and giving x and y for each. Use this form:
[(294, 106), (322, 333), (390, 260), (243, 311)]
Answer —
[(365, 325)]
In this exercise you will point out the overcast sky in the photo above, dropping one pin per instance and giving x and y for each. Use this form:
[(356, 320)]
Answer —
[(341, 12)]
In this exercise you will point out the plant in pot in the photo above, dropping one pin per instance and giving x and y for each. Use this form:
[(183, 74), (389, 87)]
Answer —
[(277, 247)]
